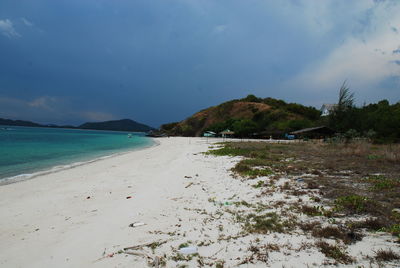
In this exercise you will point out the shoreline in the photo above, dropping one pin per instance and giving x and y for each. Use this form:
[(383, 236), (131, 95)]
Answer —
[(57, 168)]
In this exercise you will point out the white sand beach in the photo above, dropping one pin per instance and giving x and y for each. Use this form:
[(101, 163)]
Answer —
[(171, 193)]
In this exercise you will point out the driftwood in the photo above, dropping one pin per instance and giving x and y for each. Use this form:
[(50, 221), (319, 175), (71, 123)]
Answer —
[(190, 184), (145, 245), (137, 254)]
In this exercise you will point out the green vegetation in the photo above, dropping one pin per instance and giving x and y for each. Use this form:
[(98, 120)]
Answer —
[(316, 211), (263, 224), (183, 245), (264, 117), (256, 166), (251, 170), (393, 229), (246, 117), (379, 122), (229, 151), (259, 184), (353, 203), (382, 183)]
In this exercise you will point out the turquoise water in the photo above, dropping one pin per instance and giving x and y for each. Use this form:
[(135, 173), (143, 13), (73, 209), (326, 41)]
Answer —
[(26, 150)]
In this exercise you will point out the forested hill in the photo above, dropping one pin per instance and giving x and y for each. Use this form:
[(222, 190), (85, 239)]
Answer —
[(246, 116), (120, 125)]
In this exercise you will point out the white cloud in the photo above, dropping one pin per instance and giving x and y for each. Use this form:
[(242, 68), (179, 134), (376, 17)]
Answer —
[(7, 29), (219, 29), (27, 22), (365, 58), (44, 102)]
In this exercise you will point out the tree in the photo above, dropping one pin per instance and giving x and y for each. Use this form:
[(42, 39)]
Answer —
[(244, 127), (346, 99), (344, 116), (252, 98)]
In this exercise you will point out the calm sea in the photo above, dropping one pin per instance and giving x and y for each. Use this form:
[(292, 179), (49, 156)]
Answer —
[(26, 151)]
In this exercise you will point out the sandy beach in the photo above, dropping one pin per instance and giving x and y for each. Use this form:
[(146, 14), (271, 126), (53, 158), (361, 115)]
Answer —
[(139, 208)]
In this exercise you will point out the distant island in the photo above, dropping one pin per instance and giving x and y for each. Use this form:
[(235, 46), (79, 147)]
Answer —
[(113, 125)]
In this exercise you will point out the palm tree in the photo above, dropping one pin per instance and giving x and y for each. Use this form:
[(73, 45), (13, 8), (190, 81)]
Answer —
[(346, 98)]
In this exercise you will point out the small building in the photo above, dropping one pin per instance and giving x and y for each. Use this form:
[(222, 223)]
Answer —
[(227, 133), (209, 134), (327, 109), (314, 132)]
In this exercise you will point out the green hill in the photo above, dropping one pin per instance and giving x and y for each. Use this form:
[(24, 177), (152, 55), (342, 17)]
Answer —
[(246, 117), (120, 125)]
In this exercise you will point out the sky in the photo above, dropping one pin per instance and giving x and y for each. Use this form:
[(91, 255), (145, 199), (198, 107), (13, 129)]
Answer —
[(160, 61)]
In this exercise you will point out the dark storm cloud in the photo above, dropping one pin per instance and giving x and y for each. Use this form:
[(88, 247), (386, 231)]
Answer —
[(160, 61)]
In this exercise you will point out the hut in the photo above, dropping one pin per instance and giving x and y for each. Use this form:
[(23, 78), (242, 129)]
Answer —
[(227, 133), (321, 132)]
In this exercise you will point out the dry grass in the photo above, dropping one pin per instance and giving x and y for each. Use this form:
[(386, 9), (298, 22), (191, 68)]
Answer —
[(334, 252), (309, 226), (373, 224), (347, 236), (344, 179), (386, 255), (338, 171)]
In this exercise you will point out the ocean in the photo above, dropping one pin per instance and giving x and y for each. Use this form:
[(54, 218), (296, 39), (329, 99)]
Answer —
[(28, 151)]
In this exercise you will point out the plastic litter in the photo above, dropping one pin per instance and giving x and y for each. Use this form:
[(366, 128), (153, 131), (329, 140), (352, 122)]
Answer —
[(137, 224), (299, 180), (188, 250)]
